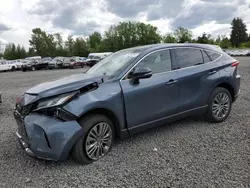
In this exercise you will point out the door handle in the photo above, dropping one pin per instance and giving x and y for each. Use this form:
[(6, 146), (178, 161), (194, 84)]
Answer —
[(171, 82), (212, 72)]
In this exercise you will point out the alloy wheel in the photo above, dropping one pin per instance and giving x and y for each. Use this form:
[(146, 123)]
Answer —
[(221, 105), (98, 141)]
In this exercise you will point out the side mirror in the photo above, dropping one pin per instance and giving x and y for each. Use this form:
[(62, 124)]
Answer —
[(140, 73)]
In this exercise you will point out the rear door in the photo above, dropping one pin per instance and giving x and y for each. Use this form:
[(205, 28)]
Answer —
[(197, 77)]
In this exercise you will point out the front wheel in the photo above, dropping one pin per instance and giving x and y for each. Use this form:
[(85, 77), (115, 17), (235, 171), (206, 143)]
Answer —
[(220, 104), (97, 139)]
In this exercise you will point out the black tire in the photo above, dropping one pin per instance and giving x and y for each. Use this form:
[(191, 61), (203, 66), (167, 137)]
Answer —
[(24, 69), (210, 115), (13, 68), (79, 153), (47, 67), (33, 68)]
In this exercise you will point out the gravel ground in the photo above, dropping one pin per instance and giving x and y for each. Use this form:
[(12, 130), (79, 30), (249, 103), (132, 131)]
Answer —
[(188, 153)]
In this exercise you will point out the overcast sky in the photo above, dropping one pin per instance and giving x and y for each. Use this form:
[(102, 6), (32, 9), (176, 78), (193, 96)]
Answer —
[(82, 17)]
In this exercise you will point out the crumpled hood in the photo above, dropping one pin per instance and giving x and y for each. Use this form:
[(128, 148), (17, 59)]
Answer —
[(64, 85)]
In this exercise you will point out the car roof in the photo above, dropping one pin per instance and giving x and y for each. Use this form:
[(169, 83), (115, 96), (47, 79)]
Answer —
[(153, 47)]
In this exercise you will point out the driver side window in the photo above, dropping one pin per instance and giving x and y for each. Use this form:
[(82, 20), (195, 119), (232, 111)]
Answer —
[(158, 62)]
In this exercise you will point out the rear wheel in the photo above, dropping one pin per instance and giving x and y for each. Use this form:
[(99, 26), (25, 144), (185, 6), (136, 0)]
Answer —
[(13, 68), (97, 139), (220, 104)]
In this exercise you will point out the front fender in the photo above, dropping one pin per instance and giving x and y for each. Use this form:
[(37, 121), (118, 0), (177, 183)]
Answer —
[(107, 96)]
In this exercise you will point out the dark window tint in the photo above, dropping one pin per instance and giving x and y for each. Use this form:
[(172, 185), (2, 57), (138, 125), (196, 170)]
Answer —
[(205, 57), (187, 57), (213, 55), (158, 62)]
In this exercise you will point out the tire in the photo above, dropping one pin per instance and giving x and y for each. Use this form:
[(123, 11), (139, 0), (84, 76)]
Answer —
[(47, 67), (13, 68), (33, 68), (24, 69), (223, 94), (79, 153)]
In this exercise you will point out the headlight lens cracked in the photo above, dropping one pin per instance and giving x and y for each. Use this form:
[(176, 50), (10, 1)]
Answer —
[(56, 101)]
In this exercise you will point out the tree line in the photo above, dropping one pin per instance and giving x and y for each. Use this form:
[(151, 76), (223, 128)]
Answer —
[(120, 36)]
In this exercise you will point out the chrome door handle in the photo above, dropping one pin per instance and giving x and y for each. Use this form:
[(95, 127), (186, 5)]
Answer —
[(171, 82), (212, 72)]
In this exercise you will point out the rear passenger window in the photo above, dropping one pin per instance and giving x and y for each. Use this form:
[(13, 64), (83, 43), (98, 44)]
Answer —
[(187, 57), (206, 57), (213, 55)]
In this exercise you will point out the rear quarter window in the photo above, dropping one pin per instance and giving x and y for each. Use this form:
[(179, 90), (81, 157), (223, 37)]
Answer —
[(213, 55)]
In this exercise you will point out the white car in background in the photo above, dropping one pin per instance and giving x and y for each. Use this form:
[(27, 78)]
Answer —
[(12, 64), (19, 63), (4, 66)]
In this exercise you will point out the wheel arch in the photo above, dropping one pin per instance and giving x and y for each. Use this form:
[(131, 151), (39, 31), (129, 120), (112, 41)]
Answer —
[(103, 111), (228, 87)]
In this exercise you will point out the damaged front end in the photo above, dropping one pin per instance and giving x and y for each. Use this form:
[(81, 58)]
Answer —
[(45, 129)]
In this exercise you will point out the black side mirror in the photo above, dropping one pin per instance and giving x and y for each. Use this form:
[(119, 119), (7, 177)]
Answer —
[(140, 73)]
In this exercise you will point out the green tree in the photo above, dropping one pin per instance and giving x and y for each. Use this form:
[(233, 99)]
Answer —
[(129, 34), (218, 40), (95, 41), (205, 39), (239, 32), (69, 45), (23, 53), (18, 52), (80, 47), (169, 38), (44, 44), (183, 35), (225, 43)]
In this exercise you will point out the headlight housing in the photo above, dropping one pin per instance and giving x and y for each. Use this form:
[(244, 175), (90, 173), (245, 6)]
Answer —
[(56, 101)]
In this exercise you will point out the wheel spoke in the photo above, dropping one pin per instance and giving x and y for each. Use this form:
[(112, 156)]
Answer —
[(98, 141), (105, 127)]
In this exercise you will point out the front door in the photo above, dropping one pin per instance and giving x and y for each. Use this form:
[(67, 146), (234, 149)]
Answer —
[(154, 99)]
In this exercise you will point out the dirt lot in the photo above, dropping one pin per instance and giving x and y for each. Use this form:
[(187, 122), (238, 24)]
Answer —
[(188, 153)]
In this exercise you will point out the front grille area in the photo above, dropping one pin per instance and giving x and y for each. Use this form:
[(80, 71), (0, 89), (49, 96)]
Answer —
[(23, 110), (21, 126)]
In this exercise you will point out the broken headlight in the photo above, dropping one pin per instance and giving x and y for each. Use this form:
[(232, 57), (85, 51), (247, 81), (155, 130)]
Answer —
[(55, 101)]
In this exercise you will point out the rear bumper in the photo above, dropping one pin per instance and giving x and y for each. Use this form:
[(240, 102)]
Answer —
[(237, 81), (45, 137)]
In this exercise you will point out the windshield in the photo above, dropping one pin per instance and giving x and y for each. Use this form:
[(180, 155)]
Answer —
[(114, 63)]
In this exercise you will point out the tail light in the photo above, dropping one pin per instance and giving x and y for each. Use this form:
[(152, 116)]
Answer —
[(235, 64)]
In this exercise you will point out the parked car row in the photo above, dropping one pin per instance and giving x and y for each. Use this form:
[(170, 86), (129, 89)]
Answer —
[(238, 52), (37, 62)]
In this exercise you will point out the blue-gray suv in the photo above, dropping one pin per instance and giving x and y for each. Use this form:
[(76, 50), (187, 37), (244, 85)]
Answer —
[(127, 92)]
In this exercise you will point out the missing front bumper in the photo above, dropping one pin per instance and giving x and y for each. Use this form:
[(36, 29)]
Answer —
[(25, 145)]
